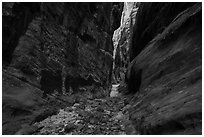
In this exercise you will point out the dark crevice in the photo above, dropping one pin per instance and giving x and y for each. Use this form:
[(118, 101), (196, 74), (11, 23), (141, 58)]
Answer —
[(87, 38), (23, 15), (134, 83), (50, 82), (76, 82)]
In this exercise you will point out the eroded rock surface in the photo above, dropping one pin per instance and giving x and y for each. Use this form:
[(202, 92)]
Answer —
[(122, 38), (165, 76), (59, 63), (59, 49), (67, 41), (22, 104)]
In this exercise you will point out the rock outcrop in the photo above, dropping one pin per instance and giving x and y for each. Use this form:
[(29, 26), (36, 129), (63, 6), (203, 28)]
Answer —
[(122, 38), (165, 73)]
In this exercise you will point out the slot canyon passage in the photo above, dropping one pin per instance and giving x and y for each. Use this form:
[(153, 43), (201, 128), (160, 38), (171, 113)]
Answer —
[(115, 68)]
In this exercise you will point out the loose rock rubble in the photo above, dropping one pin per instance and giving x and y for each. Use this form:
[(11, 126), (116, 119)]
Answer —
[(99, 117)]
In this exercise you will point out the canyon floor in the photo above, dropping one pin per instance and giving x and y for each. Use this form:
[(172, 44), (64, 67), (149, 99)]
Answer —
[(99, 117), (106, 116), (56, 114)]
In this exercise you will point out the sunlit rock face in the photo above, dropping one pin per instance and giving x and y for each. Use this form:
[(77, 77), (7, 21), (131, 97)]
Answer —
[(165, 70), (71, 40), (122, 39)]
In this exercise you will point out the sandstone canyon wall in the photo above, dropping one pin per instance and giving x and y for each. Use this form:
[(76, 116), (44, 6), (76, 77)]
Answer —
[(59, 45), (54, 48), (122, 38), (165, 73), (152, 49)]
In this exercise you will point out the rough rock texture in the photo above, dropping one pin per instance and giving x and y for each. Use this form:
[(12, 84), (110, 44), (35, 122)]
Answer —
[(165, 74), (23, 104), (122, 38), (52, 50), (55, 48), (91, 117), (59, 44)]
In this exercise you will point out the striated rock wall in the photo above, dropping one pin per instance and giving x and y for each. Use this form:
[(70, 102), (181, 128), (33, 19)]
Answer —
[(153, 21), (59, 44), (122, 40), (59, 48), (165, 74)]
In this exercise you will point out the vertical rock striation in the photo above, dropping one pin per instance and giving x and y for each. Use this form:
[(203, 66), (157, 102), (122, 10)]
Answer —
[(122, 40), (60, 48), (67, 42)]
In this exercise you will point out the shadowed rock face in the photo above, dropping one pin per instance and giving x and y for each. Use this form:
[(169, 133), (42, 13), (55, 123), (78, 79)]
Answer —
[(147, 27), (165, 76), (15, 20), (52, 47), (20, 103), (74, 38), (67, 47)]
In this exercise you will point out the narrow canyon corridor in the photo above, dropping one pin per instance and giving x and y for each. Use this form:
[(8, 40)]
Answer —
[(102, 68)]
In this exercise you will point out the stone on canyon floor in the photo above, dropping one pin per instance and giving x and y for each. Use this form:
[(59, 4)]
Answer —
[(114, 91)]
